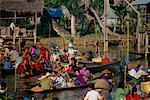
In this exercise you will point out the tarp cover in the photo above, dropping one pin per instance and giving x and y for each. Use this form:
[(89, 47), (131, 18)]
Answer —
[(55, 12), (140, 2)]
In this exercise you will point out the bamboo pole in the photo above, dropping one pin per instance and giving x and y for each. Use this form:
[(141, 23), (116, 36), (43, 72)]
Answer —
[(15, 86), (14, 36), (146, 48), (35, 31), (138, 24), (105, 29), (125, 73)]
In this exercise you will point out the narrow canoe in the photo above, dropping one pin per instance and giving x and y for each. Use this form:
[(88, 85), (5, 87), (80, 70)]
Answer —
[(113, 67), (59, 89)]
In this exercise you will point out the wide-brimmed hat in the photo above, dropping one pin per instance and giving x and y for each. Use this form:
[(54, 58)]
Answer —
[(101, 84), (106, 71), (37, 89)]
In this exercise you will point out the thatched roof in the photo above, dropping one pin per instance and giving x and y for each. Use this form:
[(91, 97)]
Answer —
[(31, 6)]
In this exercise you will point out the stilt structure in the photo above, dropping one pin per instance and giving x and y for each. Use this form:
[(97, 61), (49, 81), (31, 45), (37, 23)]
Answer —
[(138, 25), (105, 24)]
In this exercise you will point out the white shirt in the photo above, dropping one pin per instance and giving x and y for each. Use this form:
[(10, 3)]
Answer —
[(92, 95), (12, 26)]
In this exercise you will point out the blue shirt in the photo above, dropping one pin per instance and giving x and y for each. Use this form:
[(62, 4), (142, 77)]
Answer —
[(8, 65)]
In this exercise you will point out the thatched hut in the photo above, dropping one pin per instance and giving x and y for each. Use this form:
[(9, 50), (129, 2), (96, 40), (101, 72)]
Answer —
[(16, 8)]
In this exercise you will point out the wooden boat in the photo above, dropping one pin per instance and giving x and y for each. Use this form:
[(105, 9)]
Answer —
[(113, 67), (81, 62), (59, 89)]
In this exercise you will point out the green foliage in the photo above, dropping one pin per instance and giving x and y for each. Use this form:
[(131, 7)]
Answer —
[(52, 3), (5, 22)]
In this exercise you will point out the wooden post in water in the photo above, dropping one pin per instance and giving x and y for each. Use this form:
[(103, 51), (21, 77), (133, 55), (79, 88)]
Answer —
[(35, 31), (14, 35), (15, 87), (105, 29), (146, 48), (127, 58), (138, 25)]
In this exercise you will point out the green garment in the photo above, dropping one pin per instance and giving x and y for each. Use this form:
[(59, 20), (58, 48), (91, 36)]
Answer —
[(119, 94), (46, 83), (59, 53)]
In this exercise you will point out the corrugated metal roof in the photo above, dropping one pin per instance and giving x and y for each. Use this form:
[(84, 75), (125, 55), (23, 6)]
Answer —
[(111, 12), (140, 2)]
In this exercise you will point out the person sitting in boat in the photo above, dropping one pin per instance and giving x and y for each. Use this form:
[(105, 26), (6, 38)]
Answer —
[(69, 69), (26, 54), (64, 56), (106, 75), (83, 57), (79, 79), (2, 88), (24, 68), (86, 73), (45, 83), (53, 77), (14, 54), (33, 52), (73, 62), (54, 56), (8, 64), (70, 82), (90, 56), (60, 82), (2, 57), (105, 59), (38, 66), (133, 95), (137, 72)]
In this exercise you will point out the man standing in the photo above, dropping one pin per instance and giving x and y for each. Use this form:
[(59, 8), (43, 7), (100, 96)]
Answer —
[(92, 94), (12, 28)]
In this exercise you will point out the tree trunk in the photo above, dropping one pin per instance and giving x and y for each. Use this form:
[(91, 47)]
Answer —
[(101, 24), (73, 26)]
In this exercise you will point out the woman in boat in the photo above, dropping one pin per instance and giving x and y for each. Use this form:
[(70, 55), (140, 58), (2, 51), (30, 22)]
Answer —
[(73, 62), (24, 68), (2, 57), (90, 56), (105, 59), (54, 56), (60, 82), (26, 54), (8, 64), (38, 66), (133, 95), (85, 73), (79, 79), (33, 52), (53, 77), (69, 69)]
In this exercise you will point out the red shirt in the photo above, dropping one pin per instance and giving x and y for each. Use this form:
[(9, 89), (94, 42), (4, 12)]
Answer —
[(134, 97), (21, 67), (69, 70), (38, 66), (105, 61)]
